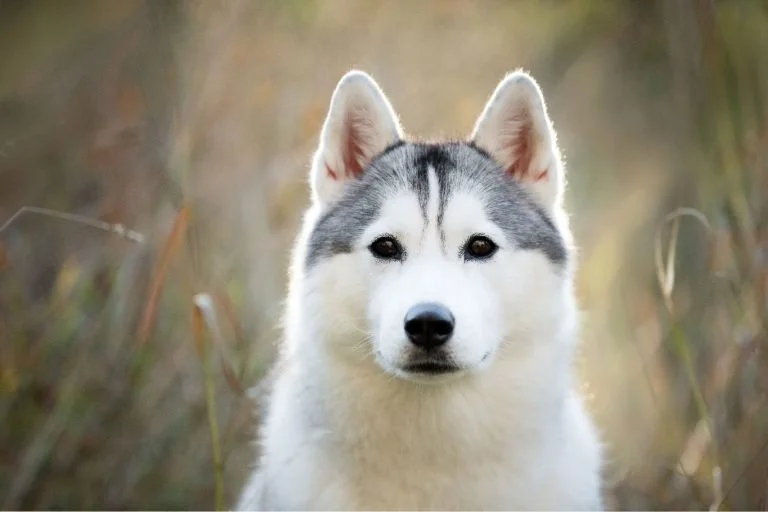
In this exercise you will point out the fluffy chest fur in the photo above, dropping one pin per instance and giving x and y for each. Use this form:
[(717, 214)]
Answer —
[(356, 440)]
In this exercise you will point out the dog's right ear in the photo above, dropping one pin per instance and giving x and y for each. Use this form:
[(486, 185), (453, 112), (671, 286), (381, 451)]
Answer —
[(360, 124), (516, 130)]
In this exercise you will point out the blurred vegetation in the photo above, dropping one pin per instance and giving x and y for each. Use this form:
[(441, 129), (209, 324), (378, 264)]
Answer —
[(123, 363)]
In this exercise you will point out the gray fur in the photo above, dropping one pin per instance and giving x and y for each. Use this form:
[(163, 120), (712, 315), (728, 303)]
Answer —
[(457, 165)]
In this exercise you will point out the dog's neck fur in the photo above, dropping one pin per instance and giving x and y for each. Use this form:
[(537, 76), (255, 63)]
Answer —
[(375, 418)]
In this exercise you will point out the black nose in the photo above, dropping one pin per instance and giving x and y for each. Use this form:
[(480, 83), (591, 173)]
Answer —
[(429, 325)]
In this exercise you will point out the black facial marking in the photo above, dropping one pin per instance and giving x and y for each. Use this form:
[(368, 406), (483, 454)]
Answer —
[(482, 151), (398, 144), (520, 216), (426, 156), (336, 231), (405, 165), (435, 156), (419, 182)]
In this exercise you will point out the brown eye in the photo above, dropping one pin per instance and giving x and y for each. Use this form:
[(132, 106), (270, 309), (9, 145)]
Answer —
[(479, 247), (386, 248)]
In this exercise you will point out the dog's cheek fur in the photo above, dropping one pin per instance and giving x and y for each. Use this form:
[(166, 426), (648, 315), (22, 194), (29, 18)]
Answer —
[(386, 309), (479, 329), (535, 300), (333, 290)]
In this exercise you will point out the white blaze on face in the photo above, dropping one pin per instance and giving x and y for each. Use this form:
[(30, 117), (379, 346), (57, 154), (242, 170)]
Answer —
[(432, 231), (433, 271)]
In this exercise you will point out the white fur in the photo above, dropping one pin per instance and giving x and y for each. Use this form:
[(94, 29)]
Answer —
[(347, 429)]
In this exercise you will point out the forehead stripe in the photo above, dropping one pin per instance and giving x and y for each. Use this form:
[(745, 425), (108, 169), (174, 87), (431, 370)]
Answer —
[(433, 225)]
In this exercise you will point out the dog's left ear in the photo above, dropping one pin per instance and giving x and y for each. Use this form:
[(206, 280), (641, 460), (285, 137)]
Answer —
[(360, 124), (516, 130)]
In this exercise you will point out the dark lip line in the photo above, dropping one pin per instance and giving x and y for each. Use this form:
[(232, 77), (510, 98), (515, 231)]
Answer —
[(432, 367)]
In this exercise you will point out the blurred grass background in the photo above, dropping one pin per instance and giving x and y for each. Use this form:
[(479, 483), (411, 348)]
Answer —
[(192, 122)]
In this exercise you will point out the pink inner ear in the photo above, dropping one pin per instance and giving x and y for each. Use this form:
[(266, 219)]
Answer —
[(331, 173), (352, 138), (520, 148), (352, 153)]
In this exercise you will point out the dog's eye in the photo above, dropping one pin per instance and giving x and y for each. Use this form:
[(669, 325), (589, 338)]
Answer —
[(479, 247), (386, 248)]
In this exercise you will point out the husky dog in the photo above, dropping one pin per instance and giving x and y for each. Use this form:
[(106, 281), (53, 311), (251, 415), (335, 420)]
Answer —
[(431, 322)]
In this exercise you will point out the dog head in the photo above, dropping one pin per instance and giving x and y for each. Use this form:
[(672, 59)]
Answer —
[(434, 260)]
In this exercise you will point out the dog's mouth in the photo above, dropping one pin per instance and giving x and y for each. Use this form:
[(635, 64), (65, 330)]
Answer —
[(431, 367), (428, 368)]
